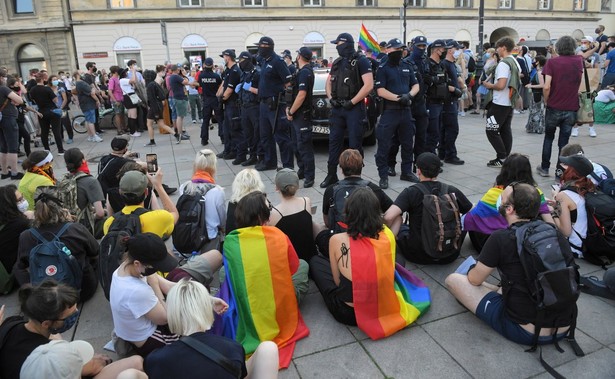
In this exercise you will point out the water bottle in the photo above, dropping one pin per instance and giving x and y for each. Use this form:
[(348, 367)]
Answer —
[(193, 256)]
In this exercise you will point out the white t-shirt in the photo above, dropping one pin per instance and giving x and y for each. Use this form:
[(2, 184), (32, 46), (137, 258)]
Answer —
[(126, 86), (502, 97), (579, 227), (605, 96), (131, 298)]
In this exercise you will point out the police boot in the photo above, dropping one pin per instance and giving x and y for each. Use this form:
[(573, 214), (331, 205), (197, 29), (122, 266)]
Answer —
[(331, 177)]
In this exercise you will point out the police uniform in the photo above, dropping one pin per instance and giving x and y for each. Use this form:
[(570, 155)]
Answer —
[(233, 135), (209, 82), (302, 119), (250, 109), (397, 78), (436, 81), (449, 127), (272, 119)]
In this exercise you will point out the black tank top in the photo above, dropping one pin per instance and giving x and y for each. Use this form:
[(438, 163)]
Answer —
[(298, 228)]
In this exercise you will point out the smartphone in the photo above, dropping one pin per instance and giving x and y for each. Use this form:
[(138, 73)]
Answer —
[(135, 155), (152, 163)]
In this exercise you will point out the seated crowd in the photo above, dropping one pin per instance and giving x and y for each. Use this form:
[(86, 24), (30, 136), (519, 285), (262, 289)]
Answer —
[(167, 323)]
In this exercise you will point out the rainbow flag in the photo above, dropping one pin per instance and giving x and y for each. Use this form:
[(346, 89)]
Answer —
[(367, 42), (259, 290), (386, 296)]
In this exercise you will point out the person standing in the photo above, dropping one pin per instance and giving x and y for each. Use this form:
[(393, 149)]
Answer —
[(248, 96), (177, 81), (233, 137), (348, 83), (209, 81), (272, 122), (299, 113), (449, 128), (196, 111), (436, 80), (396, 84), (562, 80), (9, 131), (117, 98), (44, 97)]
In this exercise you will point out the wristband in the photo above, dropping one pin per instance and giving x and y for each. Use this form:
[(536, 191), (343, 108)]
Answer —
[(470, 269)]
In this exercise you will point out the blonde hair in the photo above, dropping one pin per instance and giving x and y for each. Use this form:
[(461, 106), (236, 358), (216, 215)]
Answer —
[(189, 308), (205, 160), (246, 181)]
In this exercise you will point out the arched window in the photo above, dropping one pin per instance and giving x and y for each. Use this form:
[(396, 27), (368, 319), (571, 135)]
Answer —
[(30, 56)]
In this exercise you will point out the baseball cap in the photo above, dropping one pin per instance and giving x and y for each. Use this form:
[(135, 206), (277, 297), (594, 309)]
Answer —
[(429, 163), (581, 164), (343, 37), (57, 359), (451, 43), (419, 40), (150, 249), (265, 41), (383, 44), (134, 182), (209, 62), (119, 143), (245, 55), (229, 52), (305, 52), (286, 177), (395, 43), (588, 38), (438, 43)]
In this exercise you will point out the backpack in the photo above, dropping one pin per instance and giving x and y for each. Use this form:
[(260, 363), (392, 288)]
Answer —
[(190, 232), (605, 184), (471, 64), (68, 193), (52, 259), (599, 243), (111, 247), (441, 223), (552, 281), (9, 324), (341, 191)]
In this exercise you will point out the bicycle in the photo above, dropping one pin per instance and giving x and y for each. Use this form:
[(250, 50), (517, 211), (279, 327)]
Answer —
[(106, 121)]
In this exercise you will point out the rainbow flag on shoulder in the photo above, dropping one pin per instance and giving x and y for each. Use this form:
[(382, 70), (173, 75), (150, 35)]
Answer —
[(386, 296), (259, 290), (367, 42)]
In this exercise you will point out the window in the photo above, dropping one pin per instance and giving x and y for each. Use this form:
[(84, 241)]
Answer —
[(189, 3), (579, 5), (505, 4), (415, 3), (366, 3), (606, 5), (23, 6), (463, 3), (122, 3), (253, 3), (544, 4), (30, 56), (312, 3)]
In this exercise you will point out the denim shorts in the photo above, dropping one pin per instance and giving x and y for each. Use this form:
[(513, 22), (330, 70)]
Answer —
[(90, 116), (491, 311)]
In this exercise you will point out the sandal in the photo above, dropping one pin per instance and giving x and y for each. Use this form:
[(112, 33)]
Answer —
[(596, 287)]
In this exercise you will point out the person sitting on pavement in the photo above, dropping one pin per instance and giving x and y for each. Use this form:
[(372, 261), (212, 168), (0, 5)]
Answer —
[(190, 312), (351, 163), (361, 268), (262, 268), (512, 314), (203, 183), (292, 215), (38, 169), (484, 219), (411, 200), (115, 201), (50, 309), (89, 191), (246, 181), (596, 287), (604, 106), (13, 221), (600, 171)]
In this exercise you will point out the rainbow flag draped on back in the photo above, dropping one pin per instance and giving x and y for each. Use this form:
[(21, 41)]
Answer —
[(386, 296), (259, 290), (367, 42)]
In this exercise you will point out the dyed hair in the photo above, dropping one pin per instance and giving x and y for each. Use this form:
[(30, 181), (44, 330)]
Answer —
[(189, 308), (571, 177), (205, 160), (246, 181)]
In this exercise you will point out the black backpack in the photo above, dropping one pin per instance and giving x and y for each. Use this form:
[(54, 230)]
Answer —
[(341, 191), (471, 64), (552, 281), (111, 248), (7, 326), (190, 232), (52, 259), (606, 184), (599, 243), (441, 223)]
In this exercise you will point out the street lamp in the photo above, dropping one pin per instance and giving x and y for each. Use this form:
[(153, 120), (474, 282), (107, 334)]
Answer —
[(405, 6)]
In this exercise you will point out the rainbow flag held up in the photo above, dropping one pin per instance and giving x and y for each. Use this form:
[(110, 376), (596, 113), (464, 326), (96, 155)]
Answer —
[(367, 42), (260, 293), (386, 296)]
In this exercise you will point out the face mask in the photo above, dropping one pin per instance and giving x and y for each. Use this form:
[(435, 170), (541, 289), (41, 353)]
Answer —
[(488, 55), (443, 55), (265, 52), (94, 69), (68, 323), (395, 57), (345, 49), (515, 54), (246, 65), (23, 206), (149, 271), (55, 82), (584, 46), (456, 54), (417, 52), (597, 31)]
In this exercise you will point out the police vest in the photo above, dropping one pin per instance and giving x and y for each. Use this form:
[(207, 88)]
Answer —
[(419, 67), (345, 78), (437, 81), (247, 98)]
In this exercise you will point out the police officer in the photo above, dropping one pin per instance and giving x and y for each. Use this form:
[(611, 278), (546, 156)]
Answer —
[(209, 82), (299, 112), (397, 86), (348, 83), (248, 98), (273, 79), (288, 59), (449, 127), (233, 135), (436, 81)]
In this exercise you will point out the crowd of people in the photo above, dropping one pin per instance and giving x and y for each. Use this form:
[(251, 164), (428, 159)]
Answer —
[(166, 320)]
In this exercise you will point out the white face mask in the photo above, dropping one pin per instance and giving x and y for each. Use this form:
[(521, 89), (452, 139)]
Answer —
[(456, 54), (23, 206), (498, 202)]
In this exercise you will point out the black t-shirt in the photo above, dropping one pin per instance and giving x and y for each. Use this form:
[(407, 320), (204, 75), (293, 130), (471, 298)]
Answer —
[(231, 80), (108, 168), (9, 109), (384, 199), (9, 241), (179, 360), (209, 82), (411, 200), (18, 345), (176, 83), (43, 96)]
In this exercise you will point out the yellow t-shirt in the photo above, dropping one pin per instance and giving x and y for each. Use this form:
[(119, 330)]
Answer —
[(28, 185), (159, 222)]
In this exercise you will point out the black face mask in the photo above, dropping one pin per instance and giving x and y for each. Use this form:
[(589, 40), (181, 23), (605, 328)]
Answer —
[(597, 31), (94, 69), (502, 210), (443, 55), (265, 52), (345, 49), (395, 57), (149, 271), (246, 65)]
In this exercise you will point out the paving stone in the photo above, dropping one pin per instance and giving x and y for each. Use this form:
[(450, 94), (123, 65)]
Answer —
[(349, 361), (599, 364), (95, 319), (289, 373), (594, 316), (443, 304)]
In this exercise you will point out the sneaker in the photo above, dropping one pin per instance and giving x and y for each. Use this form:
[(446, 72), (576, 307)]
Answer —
[(185, 137), (494, 163), (462, 114), (61, 152), (5, 176), (177, 137), (97, 138), (574, 132), (194, 121), (17, 176), (592, 131), (136, 134), (89, 139), (69, 141), (150, 144), (516, 112), (542, 171), (184, 134), (21, 154)]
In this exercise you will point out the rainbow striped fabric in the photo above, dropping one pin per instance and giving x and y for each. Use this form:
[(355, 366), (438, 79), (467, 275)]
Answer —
[(259, 290), (386, 296), (367, 42)]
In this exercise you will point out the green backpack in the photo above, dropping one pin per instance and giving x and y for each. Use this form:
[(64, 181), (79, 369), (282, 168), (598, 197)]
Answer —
[(67, 193)]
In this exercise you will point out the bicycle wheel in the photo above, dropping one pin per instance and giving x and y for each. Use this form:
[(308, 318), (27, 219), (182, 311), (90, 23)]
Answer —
[(79, 124)]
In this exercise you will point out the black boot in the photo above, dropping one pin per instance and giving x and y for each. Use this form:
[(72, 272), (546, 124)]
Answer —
[(331, 177)]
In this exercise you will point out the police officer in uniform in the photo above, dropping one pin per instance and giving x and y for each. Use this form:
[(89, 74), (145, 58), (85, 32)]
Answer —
[(210, 82), (449, 128), (436, 81), (248, 98), (274, 78), (348, 83), (233, 136), (288, 59), (397, 86), (299, 113)]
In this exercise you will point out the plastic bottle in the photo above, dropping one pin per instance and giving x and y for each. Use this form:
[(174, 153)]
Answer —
[(193, 256)]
